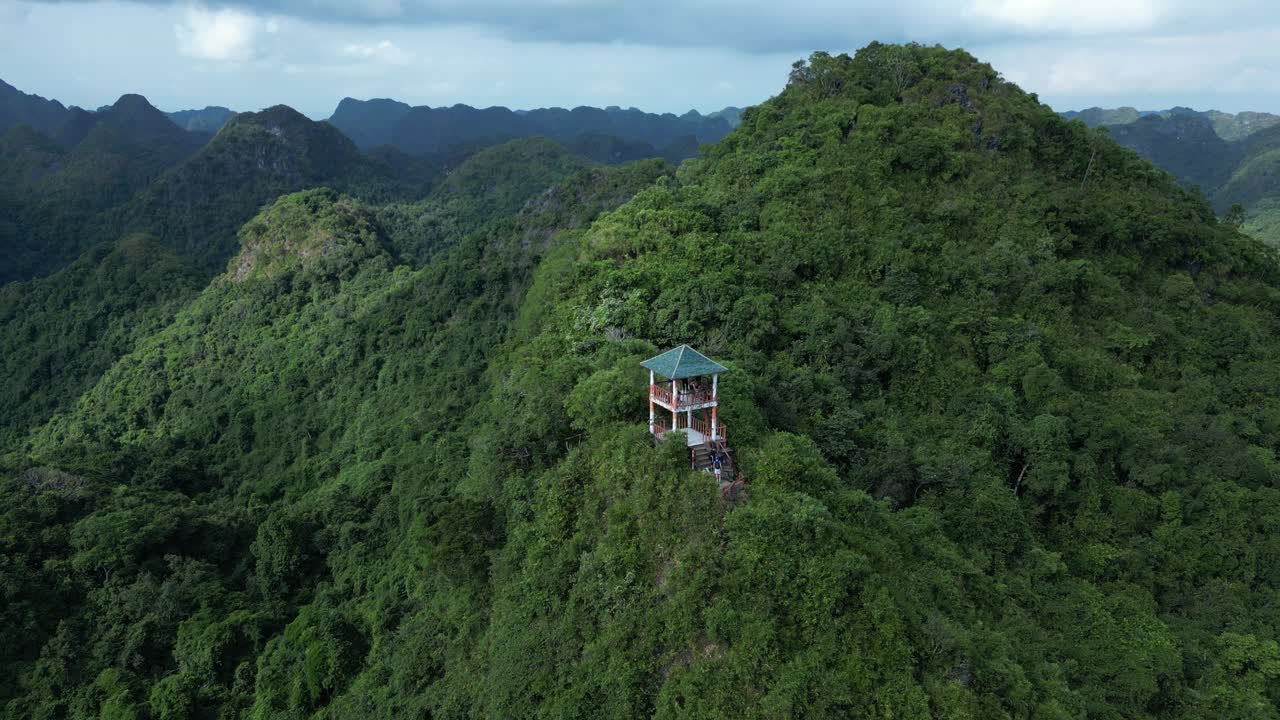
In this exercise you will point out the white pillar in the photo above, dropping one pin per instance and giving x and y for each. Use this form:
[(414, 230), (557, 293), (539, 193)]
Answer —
[(650, 402), (674, 404), (715, 381)]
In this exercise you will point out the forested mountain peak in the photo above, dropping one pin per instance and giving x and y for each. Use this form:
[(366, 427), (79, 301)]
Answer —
[(487, 171), (132, 103), (135, 113), (310, 230), (61, 183), (198, 205), (133, 119), (283, 141)]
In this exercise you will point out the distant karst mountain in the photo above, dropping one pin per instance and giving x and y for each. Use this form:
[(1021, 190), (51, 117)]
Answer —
[(1233, 159), (422, 130), (19, 108), (1185, 144), (1097, 117), (56, 185), (1228, 126), (209, 120), (197, 206)]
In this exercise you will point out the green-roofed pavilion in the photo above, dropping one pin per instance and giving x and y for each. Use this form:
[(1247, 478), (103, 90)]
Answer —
[(683, 362), (689, 391)]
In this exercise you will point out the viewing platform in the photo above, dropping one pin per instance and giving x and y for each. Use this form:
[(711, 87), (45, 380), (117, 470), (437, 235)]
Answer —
[(689, 397), (689, 391)]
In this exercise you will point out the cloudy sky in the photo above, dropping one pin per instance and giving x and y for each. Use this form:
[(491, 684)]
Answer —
[(659, 55)]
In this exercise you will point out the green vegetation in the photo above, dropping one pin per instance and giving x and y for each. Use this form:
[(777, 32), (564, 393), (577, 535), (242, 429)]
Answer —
[(60, 333), (1003, 392), (1263, 220)]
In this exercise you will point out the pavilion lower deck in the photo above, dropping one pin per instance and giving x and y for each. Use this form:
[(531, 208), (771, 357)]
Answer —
[(693, 437)]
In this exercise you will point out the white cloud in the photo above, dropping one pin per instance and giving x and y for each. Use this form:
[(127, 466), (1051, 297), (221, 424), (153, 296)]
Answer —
[(385, 52), (1180, 68), (1087, 16), (224, 35)]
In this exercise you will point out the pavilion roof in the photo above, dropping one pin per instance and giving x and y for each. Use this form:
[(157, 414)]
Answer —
[(683, 362)]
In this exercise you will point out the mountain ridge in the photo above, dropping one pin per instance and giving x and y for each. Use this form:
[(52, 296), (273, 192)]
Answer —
[(424, 129)]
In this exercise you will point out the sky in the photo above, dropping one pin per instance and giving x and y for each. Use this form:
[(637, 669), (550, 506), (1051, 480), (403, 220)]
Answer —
[(659, 55)]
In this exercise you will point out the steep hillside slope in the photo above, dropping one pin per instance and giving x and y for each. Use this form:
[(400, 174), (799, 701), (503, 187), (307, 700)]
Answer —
[(311, 329), (1003, 393), (59, 333), (62, 331), (1255, 181)]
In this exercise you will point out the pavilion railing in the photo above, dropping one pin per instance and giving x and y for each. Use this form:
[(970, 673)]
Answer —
[(703, 425), (684, 397), (662, 426)]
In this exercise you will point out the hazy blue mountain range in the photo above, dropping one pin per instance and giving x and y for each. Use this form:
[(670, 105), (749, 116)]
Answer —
[(609, 135), (421, 130), (75, 178), (208, 120)]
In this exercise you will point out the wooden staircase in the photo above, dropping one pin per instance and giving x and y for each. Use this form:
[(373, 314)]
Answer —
[(702, 458)]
